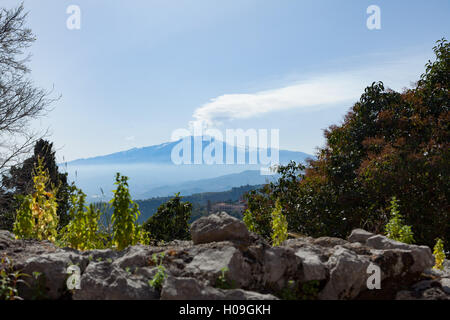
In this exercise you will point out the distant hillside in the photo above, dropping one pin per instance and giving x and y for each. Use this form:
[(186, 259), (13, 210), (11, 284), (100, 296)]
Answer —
[(222, 183), (199, 201)]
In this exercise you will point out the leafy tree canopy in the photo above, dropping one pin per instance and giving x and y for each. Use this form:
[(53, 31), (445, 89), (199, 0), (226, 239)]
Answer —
[(18, 181), (170, 222), (390, 144)]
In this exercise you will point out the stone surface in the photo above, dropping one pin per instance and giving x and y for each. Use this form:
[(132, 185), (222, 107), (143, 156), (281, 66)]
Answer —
[(192, 289), (218, 227), (359, 235), (445, 283), (313, 267), (348, 275), (251, 268), (425, 290), (423, 258), (107, 281)]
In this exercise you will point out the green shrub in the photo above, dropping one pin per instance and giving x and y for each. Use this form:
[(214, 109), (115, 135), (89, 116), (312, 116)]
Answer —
[(279, 226), (126, 231), (82, 232), (160, 276), (37, 216), (170, 222), (395, 228), (24, 226), (9, 279), (439, 255), (289, 292), (249, 221), (17, 182), (261, 202)]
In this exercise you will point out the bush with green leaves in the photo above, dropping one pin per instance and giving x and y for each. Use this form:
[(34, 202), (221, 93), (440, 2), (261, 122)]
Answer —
[(260, 203), (83, 231), (439, 255), (24, 225), (279, 225), (257, 216), (395, 228), (249, 220), (9, 280), (18, 182), (126, 230), (160, 276), (37, 216), (170, 222)]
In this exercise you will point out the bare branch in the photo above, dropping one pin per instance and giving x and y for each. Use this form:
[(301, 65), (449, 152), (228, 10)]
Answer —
[(20, 100)]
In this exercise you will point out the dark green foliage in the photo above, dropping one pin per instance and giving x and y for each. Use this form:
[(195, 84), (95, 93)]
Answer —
[(18, 182), (389, 144), (8, 205), (170, 221), (161, 274), (257, 217), (300, 291), (222, 281), (83, 232), (262, 202), (38, 287), (9, 280)]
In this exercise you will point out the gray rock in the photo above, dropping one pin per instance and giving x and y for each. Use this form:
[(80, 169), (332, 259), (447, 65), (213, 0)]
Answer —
[(185, 289), (313, 268), (444, 273), (192, 289), (106, 281), (239, 294), (7, 235), (434, 293), (208, 264), (135, 256), (53, 267), (280, 265), (254, 267), (445, 283), (425, 284), (219, 227), (348, 275), (423, 259), (359, 235), (6, 238)]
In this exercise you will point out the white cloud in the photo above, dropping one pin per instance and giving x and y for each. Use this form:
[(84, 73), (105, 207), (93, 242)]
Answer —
[(325, 90)]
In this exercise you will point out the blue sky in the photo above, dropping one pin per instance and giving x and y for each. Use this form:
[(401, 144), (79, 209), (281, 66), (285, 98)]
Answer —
[(137, 70)]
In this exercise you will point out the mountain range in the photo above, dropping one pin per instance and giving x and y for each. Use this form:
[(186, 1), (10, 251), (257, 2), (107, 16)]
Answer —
[(161, 154), (152, 172)]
